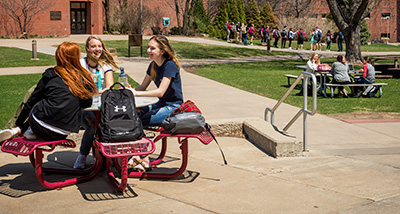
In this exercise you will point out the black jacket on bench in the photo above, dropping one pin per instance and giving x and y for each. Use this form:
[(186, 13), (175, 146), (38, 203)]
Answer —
[(53, 103)]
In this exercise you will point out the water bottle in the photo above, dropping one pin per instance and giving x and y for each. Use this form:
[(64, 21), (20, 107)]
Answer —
[(97, 81), (123, 78)]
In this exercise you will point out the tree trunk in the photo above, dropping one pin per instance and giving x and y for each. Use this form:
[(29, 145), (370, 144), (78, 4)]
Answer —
[(106, 5), (186, 18), (178, 20), (353, 44)]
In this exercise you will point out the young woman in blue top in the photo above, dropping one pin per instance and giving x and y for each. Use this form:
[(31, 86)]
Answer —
[(164, 71)]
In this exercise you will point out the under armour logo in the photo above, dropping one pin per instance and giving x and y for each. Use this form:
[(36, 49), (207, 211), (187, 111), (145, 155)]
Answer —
[(123, 108)]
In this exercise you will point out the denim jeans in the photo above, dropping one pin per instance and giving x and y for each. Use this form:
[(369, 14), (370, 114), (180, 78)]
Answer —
[(245, 39), (89, 134), (153, 115)]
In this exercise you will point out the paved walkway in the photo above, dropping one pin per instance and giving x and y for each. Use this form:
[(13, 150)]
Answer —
[(349, 168)]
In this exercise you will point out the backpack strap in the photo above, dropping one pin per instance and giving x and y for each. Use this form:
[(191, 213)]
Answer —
[(208, 129)]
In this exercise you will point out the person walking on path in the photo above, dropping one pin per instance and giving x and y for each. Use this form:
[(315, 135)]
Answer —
[(244, 30), (227, 28), (290, 37), (313, 44), (318, 38), (276, 35), (328, 40), (234, 30), (251, 32), (300, 38), (284, 34), (340, 38)]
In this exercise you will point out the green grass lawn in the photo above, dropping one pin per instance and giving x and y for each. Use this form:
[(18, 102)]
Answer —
[(266, 79), (186, 50), (14, 57)]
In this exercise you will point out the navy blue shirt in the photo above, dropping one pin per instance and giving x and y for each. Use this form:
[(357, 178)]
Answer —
[(173, 95)]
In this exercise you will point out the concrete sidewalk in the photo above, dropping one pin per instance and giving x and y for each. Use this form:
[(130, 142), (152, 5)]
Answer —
[(349, 168)]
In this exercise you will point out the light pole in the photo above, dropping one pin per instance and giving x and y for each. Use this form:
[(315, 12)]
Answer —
[(141, 17), (387, 34)]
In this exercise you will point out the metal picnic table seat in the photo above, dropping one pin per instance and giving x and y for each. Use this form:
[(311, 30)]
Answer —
[(204, 137), (35, 148), (123, 150)]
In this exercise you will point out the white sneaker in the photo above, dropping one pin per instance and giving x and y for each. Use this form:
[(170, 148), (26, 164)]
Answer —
[(29, 134), (6, 134), (80, 162)]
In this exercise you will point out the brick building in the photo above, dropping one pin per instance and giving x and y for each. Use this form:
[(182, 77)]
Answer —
[(66, 17), (383, 21)]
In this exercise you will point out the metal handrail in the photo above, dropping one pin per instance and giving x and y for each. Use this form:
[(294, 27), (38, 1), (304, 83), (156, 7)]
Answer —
[(305, 76)]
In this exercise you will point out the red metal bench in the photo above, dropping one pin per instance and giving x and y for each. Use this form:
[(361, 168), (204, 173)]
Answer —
[(35, 149), (123, 150), (205, 137)]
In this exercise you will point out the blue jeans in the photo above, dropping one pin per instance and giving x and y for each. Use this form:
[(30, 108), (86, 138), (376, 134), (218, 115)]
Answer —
[(153, 115), (89, 134), (340, 45), (244, 39)]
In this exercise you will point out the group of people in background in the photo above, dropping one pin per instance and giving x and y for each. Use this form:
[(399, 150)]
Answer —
[(340, 73), (240, 32)]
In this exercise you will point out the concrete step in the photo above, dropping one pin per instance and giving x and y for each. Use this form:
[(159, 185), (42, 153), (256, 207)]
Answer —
[(271, 140)]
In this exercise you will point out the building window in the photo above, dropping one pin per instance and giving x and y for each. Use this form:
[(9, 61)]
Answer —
[(323, 15), (385, 15), (314, 16), (385, 35)]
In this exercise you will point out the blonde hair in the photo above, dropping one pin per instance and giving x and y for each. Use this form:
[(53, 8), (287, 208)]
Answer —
[(312, 56), (78, 79), (169, 53), (105, 57)]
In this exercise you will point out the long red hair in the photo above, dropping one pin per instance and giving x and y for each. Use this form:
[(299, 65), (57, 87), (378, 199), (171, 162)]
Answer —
[(78, 79)]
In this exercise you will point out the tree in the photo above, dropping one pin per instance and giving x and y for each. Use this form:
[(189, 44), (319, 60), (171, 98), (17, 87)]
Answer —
[(348, 16), (267, 16), (200, 20), (233, 13), (365, 33), (219, 22), (252, 14), (241, 10), (106, 6), (23, 11)]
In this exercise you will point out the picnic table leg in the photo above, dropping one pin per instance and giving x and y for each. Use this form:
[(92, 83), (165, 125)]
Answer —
[(52, 185), (124, 173), (162, 153), (380, 92), (184, 151)]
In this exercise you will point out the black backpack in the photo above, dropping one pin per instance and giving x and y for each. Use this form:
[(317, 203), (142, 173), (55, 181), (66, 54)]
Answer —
[(301, 36), (119, 121)]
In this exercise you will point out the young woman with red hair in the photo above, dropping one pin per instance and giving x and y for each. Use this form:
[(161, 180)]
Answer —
[(55, 107)]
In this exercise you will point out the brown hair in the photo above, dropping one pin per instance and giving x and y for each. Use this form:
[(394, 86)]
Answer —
[(369, 60), (169, 53), (340, 58), (105, 57), (78, 79)]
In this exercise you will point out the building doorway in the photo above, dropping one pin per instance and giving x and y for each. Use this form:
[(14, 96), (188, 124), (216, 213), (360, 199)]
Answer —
[(78, 18)]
